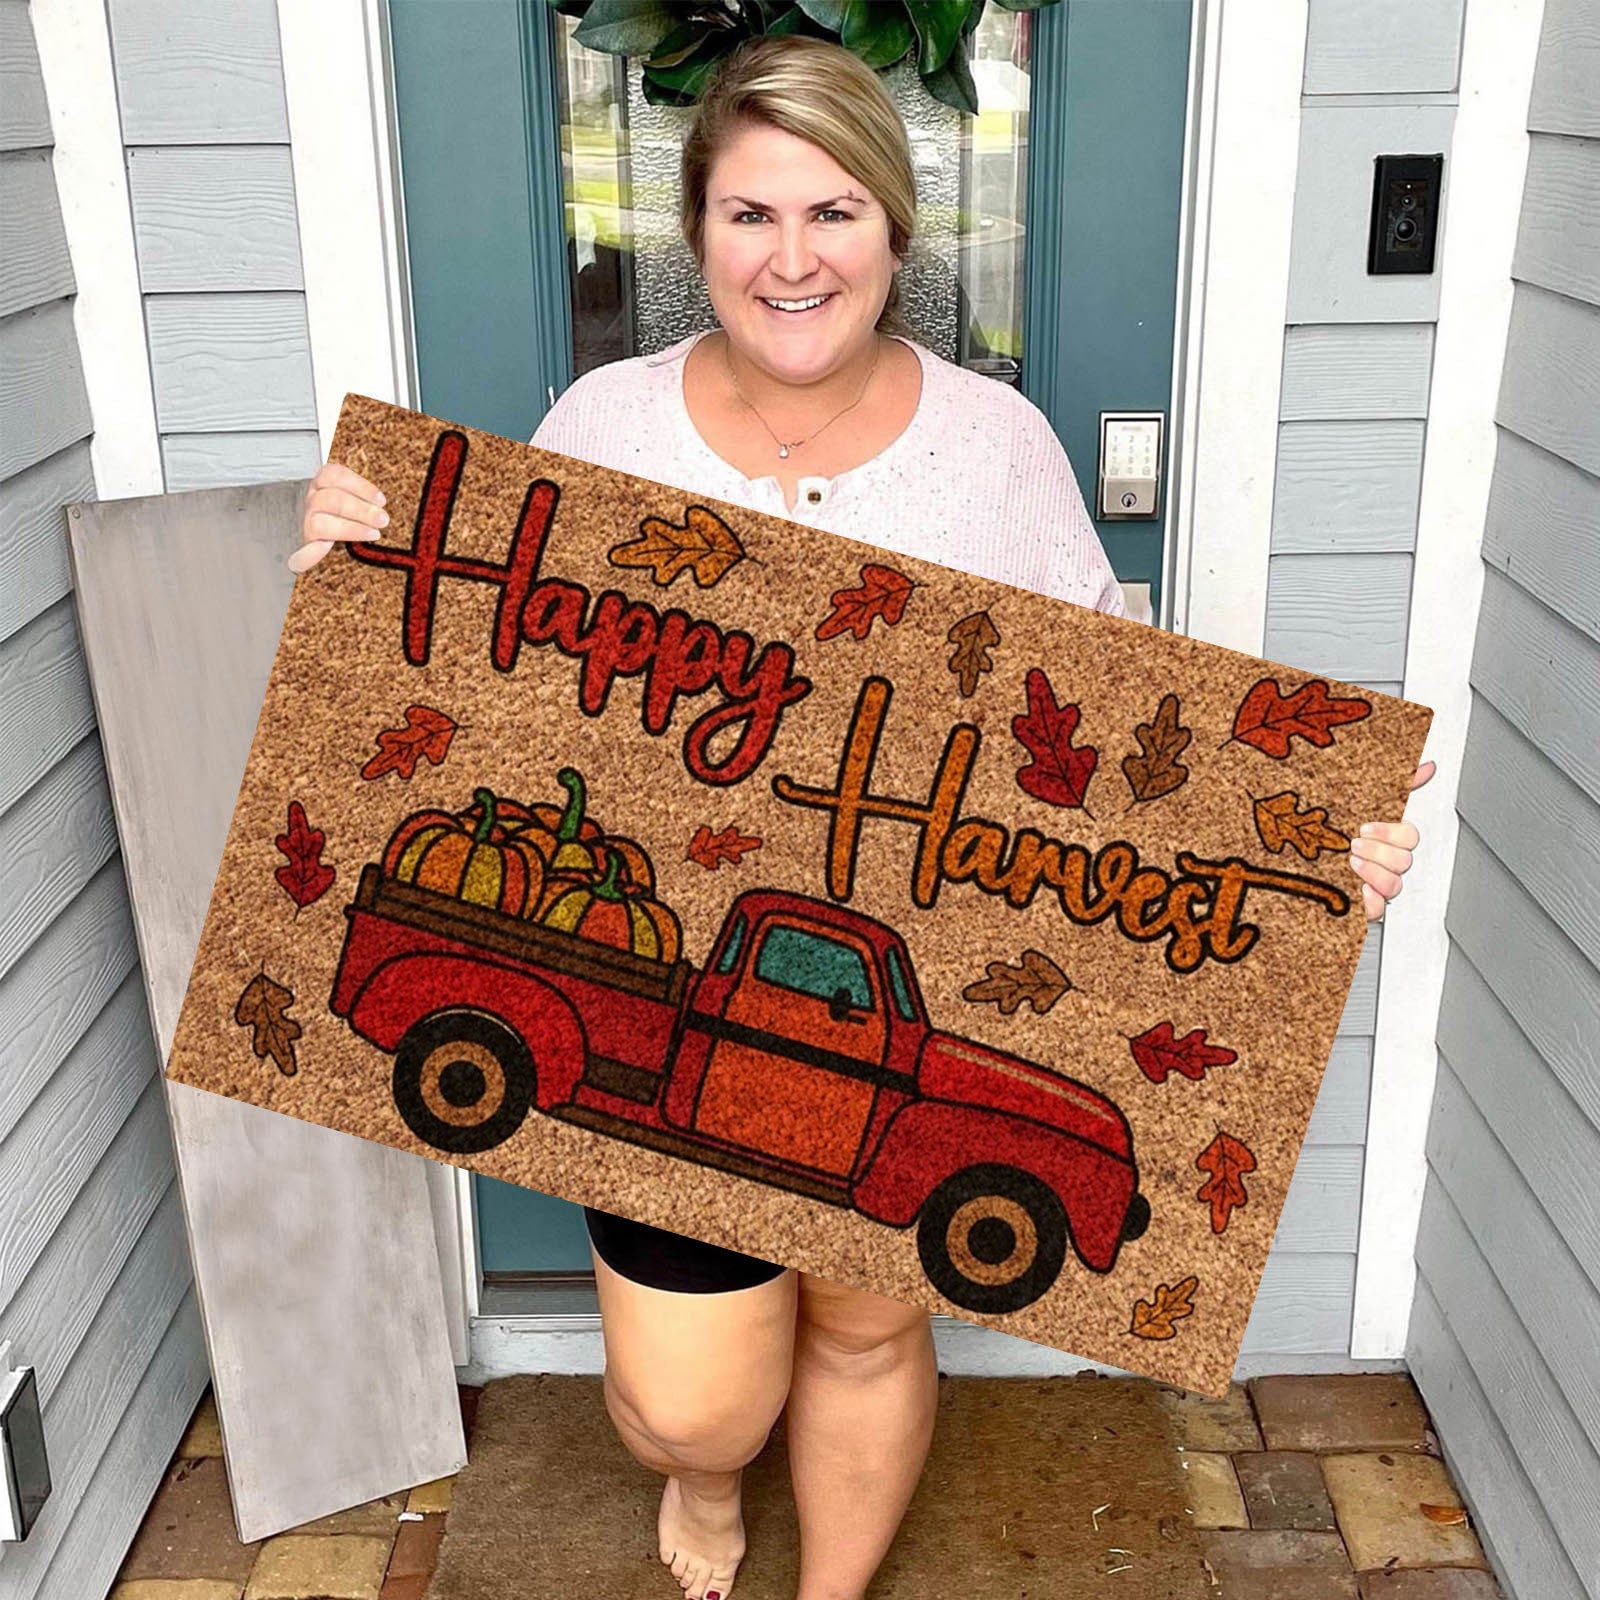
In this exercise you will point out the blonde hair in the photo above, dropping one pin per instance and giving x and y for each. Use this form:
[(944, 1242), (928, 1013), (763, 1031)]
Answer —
[(823, 94)]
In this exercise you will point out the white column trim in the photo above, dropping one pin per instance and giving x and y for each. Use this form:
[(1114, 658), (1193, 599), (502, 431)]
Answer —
[(1483, 198), (74, 43), (347, 196), (1247, 140)]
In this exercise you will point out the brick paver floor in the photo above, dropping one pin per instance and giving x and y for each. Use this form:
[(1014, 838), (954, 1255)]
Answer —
[(1303, 1488)]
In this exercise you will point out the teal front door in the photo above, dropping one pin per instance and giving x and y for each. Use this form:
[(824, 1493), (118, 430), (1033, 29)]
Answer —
[(540, 192)]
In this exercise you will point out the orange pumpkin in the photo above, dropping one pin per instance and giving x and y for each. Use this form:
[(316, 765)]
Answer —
[(472, 857), (609, 913)]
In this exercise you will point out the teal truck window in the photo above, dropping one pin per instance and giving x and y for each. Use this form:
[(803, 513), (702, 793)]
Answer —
[(729, 958), (796, 958), (900, 988)]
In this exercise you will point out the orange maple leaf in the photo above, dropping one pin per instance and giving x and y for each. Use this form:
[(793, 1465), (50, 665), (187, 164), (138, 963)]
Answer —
[(883, 592), (1268, 719), (705, 546), (1280, 821), (710, 849), (427, 733), (1227, 1160), (1154, 1319)]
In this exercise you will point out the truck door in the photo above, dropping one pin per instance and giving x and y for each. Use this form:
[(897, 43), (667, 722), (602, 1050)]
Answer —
[(799, 1048)]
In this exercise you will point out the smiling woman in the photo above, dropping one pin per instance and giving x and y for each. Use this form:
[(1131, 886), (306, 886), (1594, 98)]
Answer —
[(798, 206)]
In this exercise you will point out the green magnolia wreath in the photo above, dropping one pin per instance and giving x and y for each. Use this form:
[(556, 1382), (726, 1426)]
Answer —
[(681, 43)]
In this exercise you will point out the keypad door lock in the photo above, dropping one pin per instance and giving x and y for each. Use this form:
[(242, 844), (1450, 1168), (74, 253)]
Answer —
[(1130, 464)]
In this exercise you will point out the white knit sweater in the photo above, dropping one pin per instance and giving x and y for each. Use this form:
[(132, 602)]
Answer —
[(977, 481)]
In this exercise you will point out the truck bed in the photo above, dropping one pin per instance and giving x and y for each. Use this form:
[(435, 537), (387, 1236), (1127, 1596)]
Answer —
[(446, 917)]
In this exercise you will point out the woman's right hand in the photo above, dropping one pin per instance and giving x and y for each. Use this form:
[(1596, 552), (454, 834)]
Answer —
[(339, 504)]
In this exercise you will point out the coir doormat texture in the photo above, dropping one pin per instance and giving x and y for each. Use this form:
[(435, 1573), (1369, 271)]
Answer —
[(904, 927), (1034, 1488)]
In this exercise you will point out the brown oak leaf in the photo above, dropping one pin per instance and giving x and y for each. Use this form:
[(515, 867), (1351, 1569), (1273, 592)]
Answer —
[(974, 637), (1268, 719), (1447, 1516), (883, 592), (427, 733), (705, 545), (1059, 771), (710, 849), (1155, 1319), (1035, 979), (1158, 771), (1159, 1052), (305, 877), (1281, 822), (1227, 1160), (263, 1007)]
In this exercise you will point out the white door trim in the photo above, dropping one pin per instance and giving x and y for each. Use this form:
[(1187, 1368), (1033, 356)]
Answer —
[(1482, 203), (91, 177), (1248, 59), (337, 83)]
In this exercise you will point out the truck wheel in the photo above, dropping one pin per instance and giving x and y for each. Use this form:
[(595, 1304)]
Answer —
[(462, 1081), (1137, 1219), (992, 1238)]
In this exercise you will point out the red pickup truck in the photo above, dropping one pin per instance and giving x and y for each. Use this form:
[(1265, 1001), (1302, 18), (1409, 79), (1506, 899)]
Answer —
[(800, 1056)]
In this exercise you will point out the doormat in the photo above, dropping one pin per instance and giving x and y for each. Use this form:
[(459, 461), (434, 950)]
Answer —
[(1033, 1487), (939, 938)]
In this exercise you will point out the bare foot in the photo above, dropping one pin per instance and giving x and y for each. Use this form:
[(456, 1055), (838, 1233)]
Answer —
[(702, 1536)]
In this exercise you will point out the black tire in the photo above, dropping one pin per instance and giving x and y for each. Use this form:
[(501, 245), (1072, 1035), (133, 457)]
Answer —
[(992, 1238), (463, 1081), (1137, 1219)]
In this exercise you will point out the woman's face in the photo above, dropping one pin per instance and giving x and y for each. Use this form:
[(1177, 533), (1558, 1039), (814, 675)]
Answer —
[(797, 257)]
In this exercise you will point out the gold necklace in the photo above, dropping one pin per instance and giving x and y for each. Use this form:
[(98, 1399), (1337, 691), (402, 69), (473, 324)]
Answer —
[(784, 447)]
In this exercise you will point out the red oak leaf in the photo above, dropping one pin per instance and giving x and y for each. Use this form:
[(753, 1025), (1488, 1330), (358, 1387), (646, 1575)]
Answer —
[(883, 593), (1059, 772), (427, 733), (1158, 1052), (1227, 1160), (1268, 719), (304, 877), (710, 849)]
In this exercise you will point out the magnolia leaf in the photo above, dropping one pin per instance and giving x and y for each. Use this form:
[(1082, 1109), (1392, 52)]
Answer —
[(938, 24), (879, 34), (827, 14), (952, 84), (626, 27)]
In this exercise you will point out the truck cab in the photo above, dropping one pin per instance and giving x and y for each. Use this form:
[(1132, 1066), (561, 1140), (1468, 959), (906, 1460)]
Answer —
[(801, 1037)]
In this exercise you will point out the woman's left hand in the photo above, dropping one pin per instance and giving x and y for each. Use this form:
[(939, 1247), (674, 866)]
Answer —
[(1382, 852)]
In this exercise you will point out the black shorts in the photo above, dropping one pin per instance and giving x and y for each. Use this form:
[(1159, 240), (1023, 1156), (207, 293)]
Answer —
[(662, 1260)]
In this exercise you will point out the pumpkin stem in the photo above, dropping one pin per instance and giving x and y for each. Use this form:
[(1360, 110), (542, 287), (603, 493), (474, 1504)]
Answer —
[(486, 822), (572, 817), (608, 888)]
